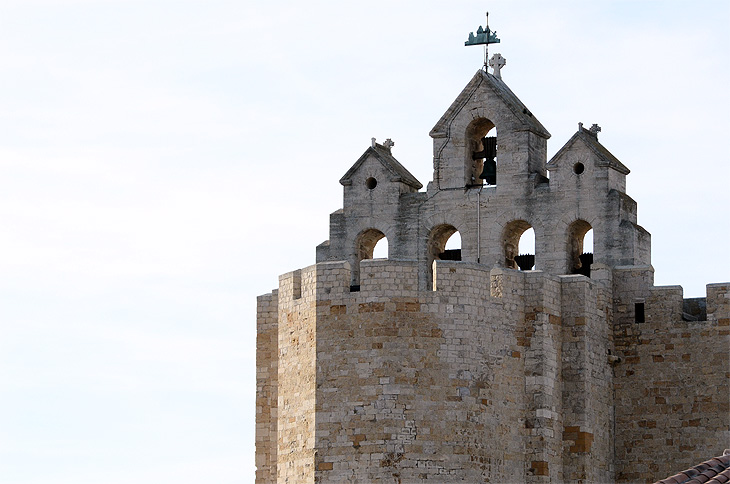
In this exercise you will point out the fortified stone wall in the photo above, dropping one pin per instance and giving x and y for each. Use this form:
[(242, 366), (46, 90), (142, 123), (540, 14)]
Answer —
[(497, 375), (672, 386), (493, 376), (417, 386), (419, 369)]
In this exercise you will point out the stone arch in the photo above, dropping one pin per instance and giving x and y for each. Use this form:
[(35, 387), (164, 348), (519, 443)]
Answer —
[(510, 244), (364, 246), (478, 152), (437, 239), (578, 261)]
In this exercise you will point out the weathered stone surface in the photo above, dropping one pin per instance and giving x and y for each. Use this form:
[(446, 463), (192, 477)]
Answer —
[(417, 369)]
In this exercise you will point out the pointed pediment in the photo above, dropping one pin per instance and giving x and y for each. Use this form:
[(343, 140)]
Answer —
[(590, 139), (497, 87), (382, 154)]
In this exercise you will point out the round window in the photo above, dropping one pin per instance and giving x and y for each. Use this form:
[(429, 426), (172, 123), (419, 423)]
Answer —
[(578, 168), (371, 183)]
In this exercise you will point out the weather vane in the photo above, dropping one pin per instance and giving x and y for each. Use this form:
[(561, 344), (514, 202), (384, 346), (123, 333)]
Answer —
[(483, 37)]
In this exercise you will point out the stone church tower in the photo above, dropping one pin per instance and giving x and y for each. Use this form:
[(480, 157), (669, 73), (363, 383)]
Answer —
[(480, 364)]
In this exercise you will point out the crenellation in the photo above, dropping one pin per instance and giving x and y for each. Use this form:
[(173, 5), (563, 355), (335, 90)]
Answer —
[(718, 302), (290, 285), (379, 278), (683, 366), (663, 304)]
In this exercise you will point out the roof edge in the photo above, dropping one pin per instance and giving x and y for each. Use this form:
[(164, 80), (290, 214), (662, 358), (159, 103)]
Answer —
[(503, 92), (398, 171), (605, 157)]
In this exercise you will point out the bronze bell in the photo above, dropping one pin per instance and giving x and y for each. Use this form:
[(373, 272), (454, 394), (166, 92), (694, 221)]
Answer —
[(489, 173), (489, 152)]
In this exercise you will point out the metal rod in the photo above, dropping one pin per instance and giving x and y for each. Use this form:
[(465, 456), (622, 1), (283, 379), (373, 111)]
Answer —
[(486, 48), (479, 225)]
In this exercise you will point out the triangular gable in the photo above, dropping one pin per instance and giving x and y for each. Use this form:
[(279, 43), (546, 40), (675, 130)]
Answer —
[(605, 157), (484, 80), (382, 154)]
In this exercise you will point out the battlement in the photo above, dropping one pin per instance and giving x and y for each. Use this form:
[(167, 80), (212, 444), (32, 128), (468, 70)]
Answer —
[(475, 335), (666, 303), (315, 281), (487, 339), (387, 278), (676, 350), (718, 299)]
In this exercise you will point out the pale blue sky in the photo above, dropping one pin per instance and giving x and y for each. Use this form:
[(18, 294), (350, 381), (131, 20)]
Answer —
[(162, 162)]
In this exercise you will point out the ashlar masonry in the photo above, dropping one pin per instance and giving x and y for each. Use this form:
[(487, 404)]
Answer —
[(480, 364)]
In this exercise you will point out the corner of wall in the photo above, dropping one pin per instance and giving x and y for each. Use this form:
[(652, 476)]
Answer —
[(267, 319)]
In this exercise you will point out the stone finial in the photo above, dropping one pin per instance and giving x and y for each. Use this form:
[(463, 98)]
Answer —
[(580, 126), (497, 62), (389, 144), (595, 129), (372, 142)]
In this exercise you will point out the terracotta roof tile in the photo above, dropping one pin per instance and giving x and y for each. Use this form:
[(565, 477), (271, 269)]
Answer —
[(724, 477), (675, 479), (713, 471)]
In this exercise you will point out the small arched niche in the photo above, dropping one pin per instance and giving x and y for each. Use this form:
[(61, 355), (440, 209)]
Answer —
[(444, 243), (365, 248), (518, 244), (580, 248), (480, 164)]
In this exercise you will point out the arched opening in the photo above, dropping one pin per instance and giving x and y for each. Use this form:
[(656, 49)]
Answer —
[(526, 250), (481, 153), (444, 243), (452, 249), (365, 249), (580, 248), (588, 242), (380, 251), (518, 242)]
